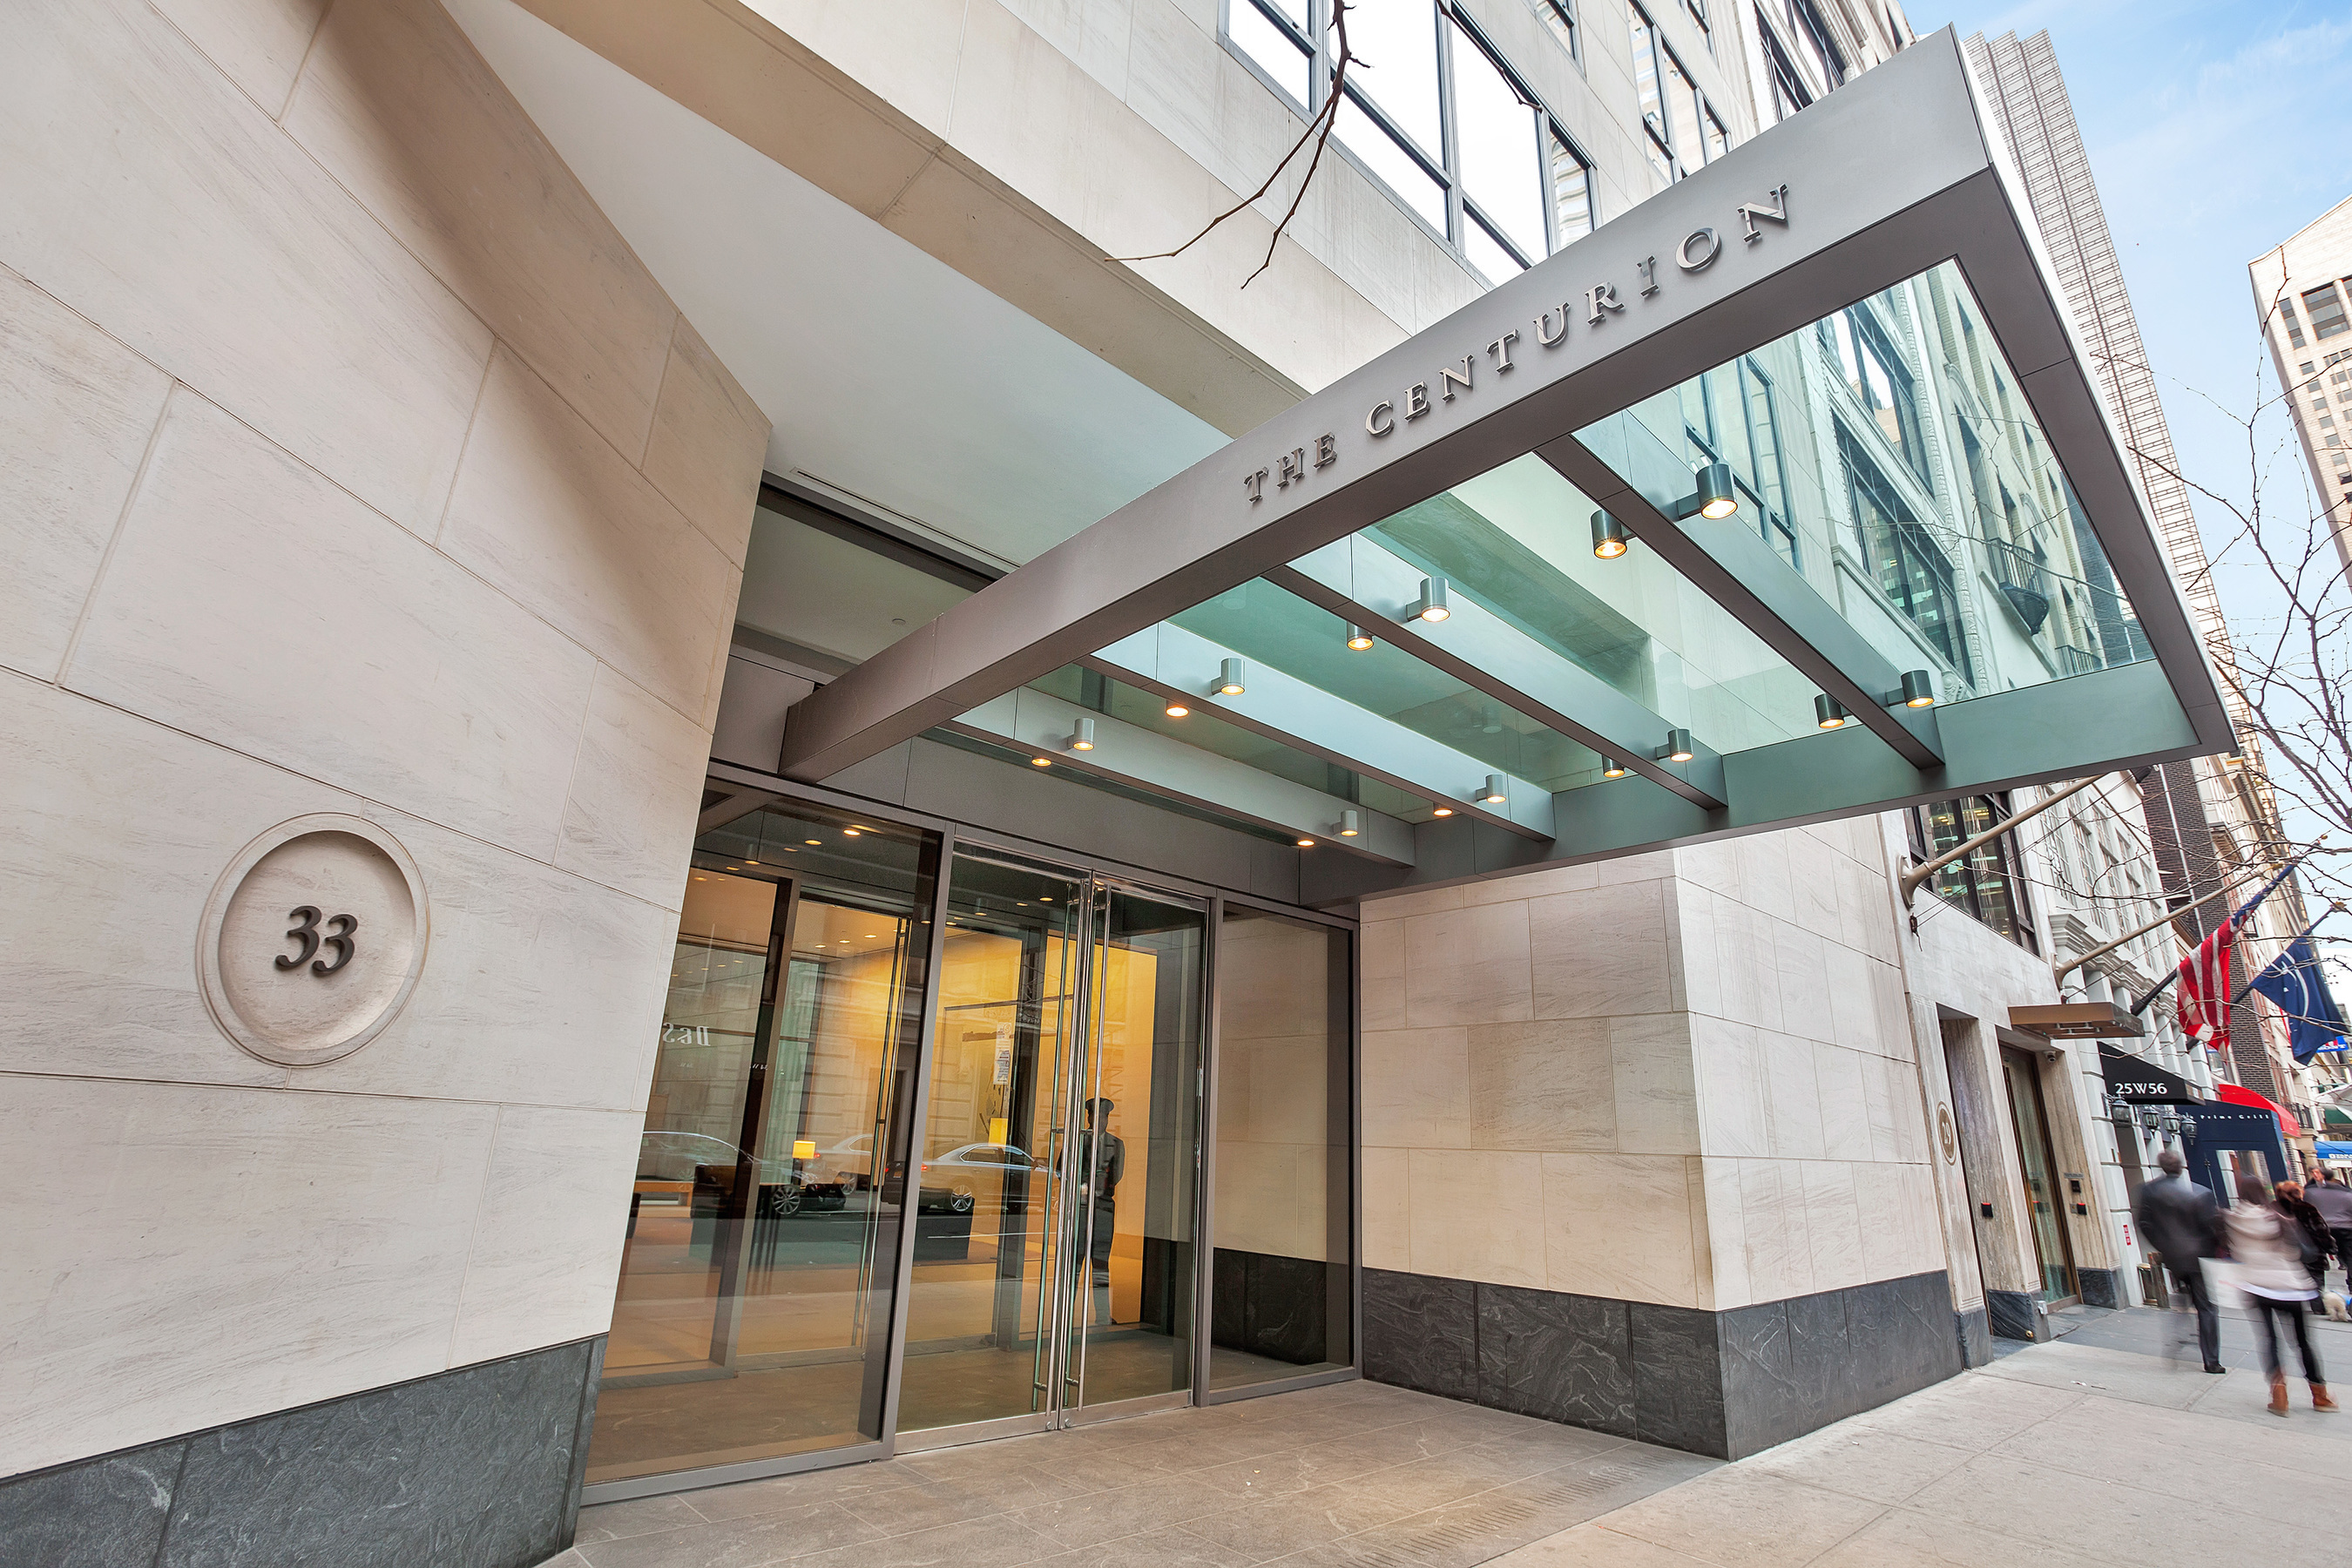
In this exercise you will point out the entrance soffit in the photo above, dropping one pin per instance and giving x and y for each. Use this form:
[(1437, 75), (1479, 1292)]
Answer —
[(1882, 546)]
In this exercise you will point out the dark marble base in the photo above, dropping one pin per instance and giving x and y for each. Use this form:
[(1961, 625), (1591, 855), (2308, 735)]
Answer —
[(1975, 1331), (2014, 1314), (1725, 1383), (480, 1468), (2100, 1287), (1270, 1305)]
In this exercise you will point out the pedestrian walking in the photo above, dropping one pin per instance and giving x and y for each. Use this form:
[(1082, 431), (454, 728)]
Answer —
[(2289, 1196), (2277, 1263), (2182, 1221), (2332, 1199)]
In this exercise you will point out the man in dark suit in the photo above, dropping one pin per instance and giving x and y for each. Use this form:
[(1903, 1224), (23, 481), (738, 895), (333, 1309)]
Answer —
[(2182, 1221), (1102, 1156)]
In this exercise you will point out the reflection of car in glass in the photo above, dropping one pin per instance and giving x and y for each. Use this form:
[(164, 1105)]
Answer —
[(953, 1182), (672, 1158), (849, 1162)]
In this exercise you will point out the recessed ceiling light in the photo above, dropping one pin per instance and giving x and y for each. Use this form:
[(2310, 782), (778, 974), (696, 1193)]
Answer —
[(852, 832), (812, 840), (1443, 810), (1307, 843), (1177, 710), (1041, 762)]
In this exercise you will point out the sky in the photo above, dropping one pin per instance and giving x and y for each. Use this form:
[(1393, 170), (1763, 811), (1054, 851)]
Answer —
[(2214, 131)]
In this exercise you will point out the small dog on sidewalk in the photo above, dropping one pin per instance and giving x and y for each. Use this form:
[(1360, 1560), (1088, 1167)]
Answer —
[(2335, 1304)]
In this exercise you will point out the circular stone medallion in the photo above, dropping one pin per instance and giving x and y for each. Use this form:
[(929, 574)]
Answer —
[(312, 939)]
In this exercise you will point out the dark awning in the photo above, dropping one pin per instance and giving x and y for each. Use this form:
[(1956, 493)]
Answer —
[(2143, 1083)]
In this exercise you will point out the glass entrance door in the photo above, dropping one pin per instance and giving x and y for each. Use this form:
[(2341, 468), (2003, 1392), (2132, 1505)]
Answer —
[(1056, 1189), (2039, 1167)]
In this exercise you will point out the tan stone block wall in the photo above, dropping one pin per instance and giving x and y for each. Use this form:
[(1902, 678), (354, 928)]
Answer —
[(353, 463), (1684, 1078)]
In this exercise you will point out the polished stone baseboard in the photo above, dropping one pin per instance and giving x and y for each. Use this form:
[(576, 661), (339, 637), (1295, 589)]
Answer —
[(1269, 1305), (1975, 1331), (1725, 1383), (2100, 1287), (2017, 1314), (480, 1468)]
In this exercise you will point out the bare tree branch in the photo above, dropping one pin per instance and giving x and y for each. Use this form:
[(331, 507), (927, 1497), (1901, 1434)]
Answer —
[(1317, 131)]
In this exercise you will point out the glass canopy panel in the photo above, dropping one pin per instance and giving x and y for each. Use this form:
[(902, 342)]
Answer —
[(1886, 454), (1261, 621), (1518, 541), (1128, 704)]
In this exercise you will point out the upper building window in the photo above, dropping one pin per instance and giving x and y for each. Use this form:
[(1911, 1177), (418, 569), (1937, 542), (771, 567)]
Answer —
[(1562, 15), (2294, 327), (1432, 111), (1989, 882), (1878, 375), (1789, 93), (1910, 568), (2324, 306), (1696, 11), (1681, 130), (1814, 34)]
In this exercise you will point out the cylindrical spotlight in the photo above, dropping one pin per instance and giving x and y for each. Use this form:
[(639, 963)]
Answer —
[(1229, 678), (1350, 823), (1609, 536), (1432, 605), (1829, 713), (1358, 638), (1716, 498), (1082, 736), (1494, 794), (1611, 768), (1918, 689), (1677, 748)]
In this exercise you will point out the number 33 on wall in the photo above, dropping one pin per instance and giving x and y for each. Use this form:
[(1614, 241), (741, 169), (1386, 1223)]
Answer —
[(306, 930)]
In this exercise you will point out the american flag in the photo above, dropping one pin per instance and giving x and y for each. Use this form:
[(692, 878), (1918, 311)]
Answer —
[(2204, 1001)]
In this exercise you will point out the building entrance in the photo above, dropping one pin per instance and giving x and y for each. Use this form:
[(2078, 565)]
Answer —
[(1054, 1258), (2039, 1166)]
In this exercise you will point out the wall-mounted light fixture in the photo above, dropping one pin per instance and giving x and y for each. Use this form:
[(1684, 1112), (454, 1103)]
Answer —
[(1358, 638), (1917, 690), (1609, 536), (1829, 713), (1229, 678), (1082, 736), (1611, 768), (1677, 748), (1494, 794), (1351, 825), (1432, 606), (1713, 500)]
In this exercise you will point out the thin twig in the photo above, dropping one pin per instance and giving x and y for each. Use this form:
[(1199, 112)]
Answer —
[(1318, 131)]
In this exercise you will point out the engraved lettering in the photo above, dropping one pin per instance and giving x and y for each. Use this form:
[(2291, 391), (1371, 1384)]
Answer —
[(1690, 263), (1777, 212), (1326, 452), (1372, 424), (1545, 335), (1597, 301), (1416, 400), (1501, 348), (1447, 376)]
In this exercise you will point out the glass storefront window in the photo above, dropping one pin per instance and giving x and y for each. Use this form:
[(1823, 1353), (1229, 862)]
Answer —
[(753, 1309), (1281, 1205)]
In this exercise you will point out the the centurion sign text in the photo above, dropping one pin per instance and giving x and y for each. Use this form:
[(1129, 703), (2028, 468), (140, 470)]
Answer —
[(1697, 252)]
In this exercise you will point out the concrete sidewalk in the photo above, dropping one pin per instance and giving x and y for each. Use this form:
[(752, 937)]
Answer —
[(2099, 1449)]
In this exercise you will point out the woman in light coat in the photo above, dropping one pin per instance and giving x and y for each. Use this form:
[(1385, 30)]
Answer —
[(2268, 1246)]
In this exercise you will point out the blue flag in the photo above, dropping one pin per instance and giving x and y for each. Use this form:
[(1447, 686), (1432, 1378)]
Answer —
[(2298, 986)]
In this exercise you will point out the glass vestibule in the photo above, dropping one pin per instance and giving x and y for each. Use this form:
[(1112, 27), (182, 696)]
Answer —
[(1053, 1252), (753, 1314), (1058, 1090)]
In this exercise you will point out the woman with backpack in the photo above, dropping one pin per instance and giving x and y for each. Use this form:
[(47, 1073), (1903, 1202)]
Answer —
[(2278, 1268)]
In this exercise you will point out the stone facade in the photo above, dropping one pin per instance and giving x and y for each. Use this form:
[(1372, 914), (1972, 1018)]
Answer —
[(370, 473)]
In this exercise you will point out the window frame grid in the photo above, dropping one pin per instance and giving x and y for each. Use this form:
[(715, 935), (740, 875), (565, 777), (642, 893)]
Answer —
[(1665, 68), (1462, 210)]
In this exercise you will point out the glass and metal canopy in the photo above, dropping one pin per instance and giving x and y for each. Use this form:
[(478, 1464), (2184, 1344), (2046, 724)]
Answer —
[(1786, 495)]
